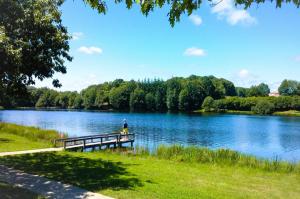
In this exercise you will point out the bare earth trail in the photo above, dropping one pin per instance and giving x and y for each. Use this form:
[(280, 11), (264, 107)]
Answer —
[(41, 185), (30, 151)]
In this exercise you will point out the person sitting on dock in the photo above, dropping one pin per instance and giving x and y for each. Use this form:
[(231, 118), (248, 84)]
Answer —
[(125, 128)]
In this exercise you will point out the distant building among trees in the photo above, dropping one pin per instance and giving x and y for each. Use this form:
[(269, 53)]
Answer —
[(274, 94)]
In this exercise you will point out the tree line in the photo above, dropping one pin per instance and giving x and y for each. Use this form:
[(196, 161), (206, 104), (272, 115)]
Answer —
[(259, 105), (177, 93)]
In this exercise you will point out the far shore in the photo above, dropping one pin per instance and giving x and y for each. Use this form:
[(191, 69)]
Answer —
[(291, 113)]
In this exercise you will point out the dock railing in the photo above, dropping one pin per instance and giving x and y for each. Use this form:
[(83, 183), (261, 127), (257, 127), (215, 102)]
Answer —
[(91, 141)]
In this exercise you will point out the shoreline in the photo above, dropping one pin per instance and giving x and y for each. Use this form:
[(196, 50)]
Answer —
[(289, 113)]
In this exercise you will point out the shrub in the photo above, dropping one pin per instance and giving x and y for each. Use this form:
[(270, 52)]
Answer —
[(263, 108), (208, 104)]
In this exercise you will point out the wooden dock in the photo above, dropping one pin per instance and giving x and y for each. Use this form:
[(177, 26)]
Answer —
[(93, 141)]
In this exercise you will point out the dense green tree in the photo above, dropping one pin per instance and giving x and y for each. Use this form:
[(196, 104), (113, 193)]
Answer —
[(47, 99), (102, 96), (172, 99), (150, 102), (282, 103), (119, 96), (160, 99), (220, 91), (241, 92), (173, 90), (33, 43), (208, 86), (117, 82), (184, 100), (62, 100), (263, 107), (192, 96), (72, 96), (78, 102), (229, 87), (223, 88), (259, 90), (208, 104), (289, 87), (137, 100), (89, 97)]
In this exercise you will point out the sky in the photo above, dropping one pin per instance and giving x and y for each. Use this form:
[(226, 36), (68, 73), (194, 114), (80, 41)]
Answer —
[(261, 44)]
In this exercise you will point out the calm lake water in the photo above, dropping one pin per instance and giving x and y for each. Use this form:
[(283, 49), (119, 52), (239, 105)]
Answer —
[(263, 136)]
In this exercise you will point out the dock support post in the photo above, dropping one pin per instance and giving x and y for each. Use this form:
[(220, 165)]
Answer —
[(131, 144)]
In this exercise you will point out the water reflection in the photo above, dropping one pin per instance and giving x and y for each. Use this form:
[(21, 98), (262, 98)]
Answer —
[(264, 136)]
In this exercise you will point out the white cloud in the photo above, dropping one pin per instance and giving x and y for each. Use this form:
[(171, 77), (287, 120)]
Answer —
[(196, 20), (244, 73), (297, 58), (193, 51), (77, 35), (226, 9), (245, 78), (90, 50)]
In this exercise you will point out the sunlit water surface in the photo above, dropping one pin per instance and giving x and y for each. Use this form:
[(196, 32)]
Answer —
[(263, 136)]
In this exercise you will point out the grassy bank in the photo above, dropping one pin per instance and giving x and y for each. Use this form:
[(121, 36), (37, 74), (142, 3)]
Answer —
[(288, 113), (220, 157), (280, 113), (170, 172), (227, 111), (15, 137)]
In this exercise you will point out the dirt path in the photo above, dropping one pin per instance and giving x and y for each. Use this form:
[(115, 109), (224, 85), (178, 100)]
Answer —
[(44, 186), (30, 151), (41, 185)]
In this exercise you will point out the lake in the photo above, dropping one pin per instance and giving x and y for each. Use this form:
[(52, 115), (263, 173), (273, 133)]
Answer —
[(263, 136)]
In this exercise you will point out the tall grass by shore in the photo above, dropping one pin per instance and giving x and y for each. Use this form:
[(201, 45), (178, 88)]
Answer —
[(220, 157), (31, 133)]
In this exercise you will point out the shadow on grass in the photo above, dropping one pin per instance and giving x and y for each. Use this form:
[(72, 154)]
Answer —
[(10, 192), (90, 174), (5, 140)]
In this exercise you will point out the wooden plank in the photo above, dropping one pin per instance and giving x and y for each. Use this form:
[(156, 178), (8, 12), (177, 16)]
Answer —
[(97, 140)]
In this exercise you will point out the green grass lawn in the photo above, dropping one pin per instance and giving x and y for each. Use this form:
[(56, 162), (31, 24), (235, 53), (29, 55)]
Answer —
[(10, 142), (129, 176), (16, 138), (12, 192)]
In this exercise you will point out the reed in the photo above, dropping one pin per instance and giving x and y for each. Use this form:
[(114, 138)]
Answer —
[(31, 133), (222, 157)]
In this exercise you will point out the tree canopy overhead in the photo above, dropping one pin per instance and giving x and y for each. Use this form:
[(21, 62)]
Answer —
[(33, 43), (179, 7)]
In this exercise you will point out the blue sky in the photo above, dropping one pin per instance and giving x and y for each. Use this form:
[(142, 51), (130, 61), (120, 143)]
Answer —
[(247, 47)]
